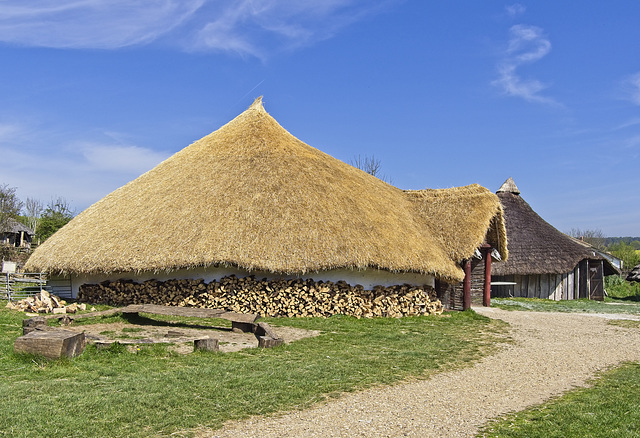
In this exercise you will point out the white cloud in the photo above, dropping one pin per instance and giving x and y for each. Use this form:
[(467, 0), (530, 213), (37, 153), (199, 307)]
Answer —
[(627, 124), (133, 160), (246, 27), (9, 132), (527, 44), (45, 164), (632, 88), (515, 10), (102, 24)]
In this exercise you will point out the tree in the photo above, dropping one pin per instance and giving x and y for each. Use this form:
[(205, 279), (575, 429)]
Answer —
[(371, 165), (593, 237), (33, 209), (55, 216), (10, 205), (626, 253)]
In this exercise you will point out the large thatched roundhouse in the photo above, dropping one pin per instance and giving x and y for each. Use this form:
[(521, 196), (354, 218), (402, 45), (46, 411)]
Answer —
[(250, 198), (544, 262)]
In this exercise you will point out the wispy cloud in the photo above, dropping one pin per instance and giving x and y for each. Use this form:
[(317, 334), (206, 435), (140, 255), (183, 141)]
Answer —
[(133, 160), (9, 131), (515, 10), (631, 87), (101, 24), (246, 27), (527, 44), (78, 170), (627, 124)]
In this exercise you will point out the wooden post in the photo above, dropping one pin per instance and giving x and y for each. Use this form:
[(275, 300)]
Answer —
[(8, 288), (486, 296), (466, 287)]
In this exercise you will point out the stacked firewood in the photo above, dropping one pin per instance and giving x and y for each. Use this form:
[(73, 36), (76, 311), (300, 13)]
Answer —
[(44, 302), (270, 297)]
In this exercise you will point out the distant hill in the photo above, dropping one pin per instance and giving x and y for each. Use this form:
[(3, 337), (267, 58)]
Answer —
[(633, 241)]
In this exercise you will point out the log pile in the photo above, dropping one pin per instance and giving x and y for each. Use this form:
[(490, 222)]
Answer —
[(290, 298), (44, 302)]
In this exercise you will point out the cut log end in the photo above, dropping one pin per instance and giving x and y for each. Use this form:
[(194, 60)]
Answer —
[(206, 344), (269, 342)]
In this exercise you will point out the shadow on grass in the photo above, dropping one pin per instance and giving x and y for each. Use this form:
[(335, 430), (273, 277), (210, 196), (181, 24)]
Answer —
[(631, 298), (138, 319)]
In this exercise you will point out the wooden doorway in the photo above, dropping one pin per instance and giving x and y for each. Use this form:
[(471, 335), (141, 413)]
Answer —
[(596, 280)]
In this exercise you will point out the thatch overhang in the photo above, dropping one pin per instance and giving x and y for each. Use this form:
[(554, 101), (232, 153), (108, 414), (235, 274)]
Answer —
[(462, 219), (12, 226), (535, 246), (251, 195)]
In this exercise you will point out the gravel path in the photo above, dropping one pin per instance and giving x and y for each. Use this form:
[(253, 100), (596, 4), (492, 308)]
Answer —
[(552, 353)]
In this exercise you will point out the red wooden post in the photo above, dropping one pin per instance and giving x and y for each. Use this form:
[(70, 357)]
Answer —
[(466, 288), (486, 296)]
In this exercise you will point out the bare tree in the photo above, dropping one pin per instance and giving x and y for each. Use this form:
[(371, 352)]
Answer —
[(60, 206), (593, 237), (10, 205), (369, 164), (33, 209)]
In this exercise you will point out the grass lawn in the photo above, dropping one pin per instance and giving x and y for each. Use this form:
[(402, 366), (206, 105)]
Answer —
[(610, 408), (580, 306), (624, 297), (154, 392)]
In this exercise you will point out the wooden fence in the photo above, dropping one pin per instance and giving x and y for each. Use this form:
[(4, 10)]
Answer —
[(17, 286)]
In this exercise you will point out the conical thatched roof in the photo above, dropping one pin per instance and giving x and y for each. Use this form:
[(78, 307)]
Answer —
[(253, 196), (535, 247)]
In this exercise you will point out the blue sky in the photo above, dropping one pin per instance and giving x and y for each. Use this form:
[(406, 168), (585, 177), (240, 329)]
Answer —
[(95, 92)]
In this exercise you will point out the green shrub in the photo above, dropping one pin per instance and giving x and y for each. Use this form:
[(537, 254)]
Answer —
[(618, 288)]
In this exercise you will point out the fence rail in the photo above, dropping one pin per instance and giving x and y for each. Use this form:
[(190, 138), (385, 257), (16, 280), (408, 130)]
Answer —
[(17, 286)]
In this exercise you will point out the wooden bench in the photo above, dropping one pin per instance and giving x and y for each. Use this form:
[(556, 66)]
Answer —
[(244, 322), (155, 309)]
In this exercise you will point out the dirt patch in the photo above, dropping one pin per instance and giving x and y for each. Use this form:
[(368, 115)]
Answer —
[(181, 338)]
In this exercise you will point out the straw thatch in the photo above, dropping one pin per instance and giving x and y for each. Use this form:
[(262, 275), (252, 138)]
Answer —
[(251, 195), (536, 247), (462, 219)]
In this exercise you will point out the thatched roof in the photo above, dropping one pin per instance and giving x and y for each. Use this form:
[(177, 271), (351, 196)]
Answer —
[(14, 227), (462, 219), (535, 246), (253, 196)]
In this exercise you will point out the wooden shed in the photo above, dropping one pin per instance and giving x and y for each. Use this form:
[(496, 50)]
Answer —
[(251, 199), (16, 234), (544, 262)]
